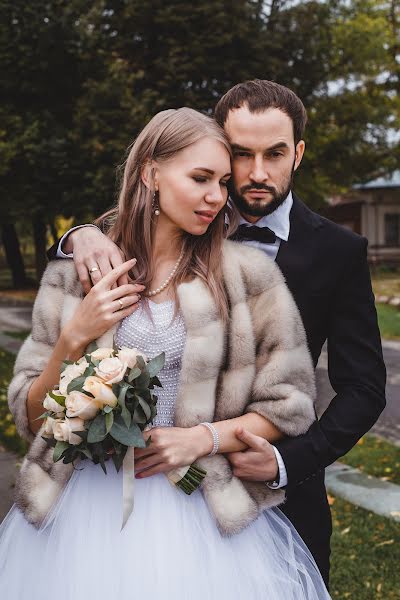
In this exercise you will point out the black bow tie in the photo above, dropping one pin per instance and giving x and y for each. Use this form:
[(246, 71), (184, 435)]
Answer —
[(259, 234)]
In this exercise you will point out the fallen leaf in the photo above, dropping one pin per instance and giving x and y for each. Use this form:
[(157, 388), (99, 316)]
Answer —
[(386, 543), (379, 587), (344, 531)]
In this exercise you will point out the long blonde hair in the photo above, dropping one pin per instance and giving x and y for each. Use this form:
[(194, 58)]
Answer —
[(130, 224)]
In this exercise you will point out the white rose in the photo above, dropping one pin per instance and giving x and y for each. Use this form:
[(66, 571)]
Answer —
[(80, 405), (49, 426), (111, 370), (129, 356), (102, 393), (70, 373), (50, 404), (63, 431), (101, 353)]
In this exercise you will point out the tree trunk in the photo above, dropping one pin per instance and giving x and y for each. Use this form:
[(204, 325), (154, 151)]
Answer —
[(13, 255), (39, 238)]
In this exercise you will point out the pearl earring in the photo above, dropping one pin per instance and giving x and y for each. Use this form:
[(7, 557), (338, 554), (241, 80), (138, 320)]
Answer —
[(155, 204)]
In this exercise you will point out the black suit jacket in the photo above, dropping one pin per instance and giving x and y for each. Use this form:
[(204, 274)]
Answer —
[(326, 269)]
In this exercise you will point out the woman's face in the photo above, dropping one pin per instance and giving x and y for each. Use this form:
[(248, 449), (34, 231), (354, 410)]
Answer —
[(193, 186)]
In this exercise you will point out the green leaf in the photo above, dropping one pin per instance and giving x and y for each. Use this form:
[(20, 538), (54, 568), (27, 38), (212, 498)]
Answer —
[(131, 436), (86, 452), (118, 459), (76, 384), (91, 348), (145, 407), (156, 364), (109, 421), (135, 372), (139, 416), (44, 415), (140, 362), (126, 415), (51, 442), (65, 364), (97, 430), (58, 398), (59, 450), (156, 381), (89, 371)]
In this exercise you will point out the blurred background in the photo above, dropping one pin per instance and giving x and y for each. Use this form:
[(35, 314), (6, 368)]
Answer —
[(80, 79)]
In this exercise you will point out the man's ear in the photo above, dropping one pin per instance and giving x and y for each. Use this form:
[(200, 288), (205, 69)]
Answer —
[(299, 153), (149, 175)]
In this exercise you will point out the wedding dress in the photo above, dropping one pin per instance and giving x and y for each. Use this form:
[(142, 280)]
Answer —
[(170, 548)]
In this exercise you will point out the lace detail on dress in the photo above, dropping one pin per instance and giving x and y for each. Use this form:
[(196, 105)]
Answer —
[(163, 334)]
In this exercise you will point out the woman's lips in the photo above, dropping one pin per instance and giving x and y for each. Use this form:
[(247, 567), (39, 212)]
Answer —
[(205, 217)]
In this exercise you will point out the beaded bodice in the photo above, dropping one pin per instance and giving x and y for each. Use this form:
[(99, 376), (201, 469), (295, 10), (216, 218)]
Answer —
[(160, 333)]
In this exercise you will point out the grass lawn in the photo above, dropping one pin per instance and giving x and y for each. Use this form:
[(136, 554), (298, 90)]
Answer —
[(386, 282), (375, 456), (389, 321), (365, 554)]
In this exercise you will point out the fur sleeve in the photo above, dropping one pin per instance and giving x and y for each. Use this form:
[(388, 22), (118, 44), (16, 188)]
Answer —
[(37, 348), (284, 385)]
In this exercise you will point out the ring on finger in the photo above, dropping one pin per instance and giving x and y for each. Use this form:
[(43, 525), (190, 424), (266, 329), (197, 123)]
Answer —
[(121, 304), (93, 269)]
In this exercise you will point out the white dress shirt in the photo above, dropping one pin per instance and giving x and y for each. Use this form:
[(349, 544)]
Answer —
[(279, 223)]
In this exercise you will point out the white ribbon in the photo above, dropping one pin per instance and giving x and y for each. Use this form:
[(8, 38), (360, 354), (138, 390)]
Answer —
[(128, 484), (177, 474)]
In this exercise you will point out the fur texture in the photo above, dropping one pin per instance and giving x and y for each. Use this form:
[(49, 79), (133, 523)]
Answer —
[(257, 362)]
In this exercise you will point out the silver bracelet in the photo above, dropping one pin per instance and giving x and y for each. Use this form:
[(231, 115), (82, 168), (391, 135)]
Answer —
[(215, 437)]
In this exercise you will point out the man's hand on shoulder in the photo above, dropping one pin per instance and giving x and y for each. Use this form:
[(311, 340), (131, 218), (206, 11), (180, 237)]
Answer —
[(94, 255)]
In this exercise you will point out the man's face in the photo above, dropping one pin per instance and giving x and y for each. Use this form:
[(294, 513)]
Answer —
[(264, 159)]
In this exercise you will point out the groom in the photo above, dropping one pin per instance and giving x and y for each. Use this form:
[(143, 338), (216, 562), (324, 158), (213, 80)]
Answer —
[(326, 269)]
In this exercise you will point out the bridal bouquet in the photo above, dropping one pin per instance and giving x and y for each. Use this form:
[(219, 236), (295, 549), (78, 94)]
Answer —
[(101, 406)]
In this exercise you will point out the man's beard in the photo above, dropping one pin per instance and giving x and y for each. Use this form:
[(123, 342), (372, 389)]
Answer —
[(260, 209)]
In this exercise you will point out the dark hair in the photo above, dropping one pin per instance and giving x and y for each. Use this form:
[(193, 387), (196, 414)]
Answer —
[(259, 95)]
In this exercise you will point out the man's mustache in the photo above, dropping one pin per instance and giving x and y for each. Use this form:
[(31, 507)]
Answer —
[(257, 186)]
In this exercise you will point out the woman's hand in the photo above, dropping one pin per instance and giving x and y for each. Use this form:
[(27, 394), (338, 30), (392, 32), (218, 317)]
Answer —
[(103, 307), (171, 447)]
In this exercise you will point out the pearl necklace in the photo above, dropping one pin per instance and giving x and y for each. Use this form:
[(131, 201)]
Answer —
[(168, 280)]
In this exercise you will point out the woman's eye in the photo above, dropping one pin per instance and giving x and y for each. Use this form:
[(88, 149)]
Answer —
[(200, 179), (224, 183)]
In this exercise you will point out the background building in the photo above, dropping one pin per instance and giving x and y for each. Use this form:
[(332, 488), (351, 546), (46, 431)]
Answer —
[(372, 209)]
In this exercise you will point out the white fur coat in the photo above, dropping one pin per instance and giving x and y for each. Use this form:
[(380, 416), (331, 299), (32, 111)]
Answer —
[(257, 362)]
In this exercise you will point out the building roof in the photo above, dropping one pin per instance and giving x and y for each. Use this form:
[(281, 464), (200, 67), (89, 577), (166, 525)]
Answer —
[(390, 181)]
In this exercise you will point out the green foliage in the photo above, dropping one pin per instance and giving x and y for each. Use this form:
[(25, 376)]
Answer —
[(375, 456), (365, 554), (80, 80), (389, 321)]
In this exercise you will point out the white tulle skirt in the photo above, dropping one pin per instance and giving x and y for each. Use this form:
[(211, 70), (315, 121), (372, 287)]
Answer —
[(170, 548)]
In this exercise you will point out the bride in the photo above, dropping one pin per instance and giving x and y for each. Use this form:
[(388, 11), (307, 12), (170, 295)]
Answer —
[(236, 357)]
